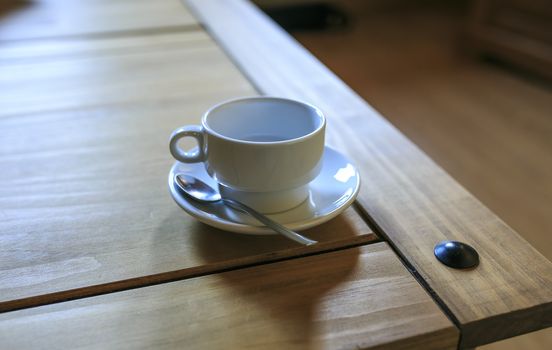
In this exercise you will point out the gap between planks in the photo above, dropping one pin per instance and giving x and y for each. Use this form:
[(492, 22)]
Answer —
[(183, 274), (427, 288)]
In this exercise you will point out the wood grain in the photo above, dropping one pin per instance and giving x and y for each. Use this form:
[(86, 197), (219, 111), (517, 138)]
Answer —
[(349, 299), (413, 201), (84, 204), (75, 74), (23, 20)]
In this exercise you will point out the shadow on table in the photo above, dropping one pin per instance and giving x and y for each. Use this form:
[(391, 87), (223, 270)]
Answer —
[(287, 293), (215, 245), (280, 286), (292, 296)]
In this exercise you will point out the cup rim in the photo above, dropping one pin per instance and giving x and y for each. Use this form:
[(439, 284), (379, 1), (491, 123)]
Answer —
[(317, 110)]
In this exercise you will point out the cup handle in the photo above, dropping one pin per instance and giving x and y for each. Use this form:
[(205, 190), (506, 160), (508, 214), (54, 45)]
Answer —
[(194, 131)]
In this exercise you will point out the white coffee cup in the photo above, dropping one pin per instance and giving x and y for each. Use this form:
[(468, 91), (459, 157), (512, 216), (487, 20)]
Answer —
[(263, 151)]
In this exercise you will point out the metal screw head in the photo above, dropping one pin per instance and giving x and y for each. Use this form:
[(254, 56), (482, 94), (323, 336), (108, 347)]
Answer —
[(456, 254)]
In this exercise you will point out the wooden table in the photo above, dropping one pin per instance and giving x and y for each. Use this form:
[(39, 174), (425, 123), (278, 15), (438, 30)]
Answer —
[(94, 252)]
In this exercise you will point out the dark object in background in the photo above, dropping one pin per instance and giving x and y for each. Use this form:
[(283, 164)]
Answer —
[(307, 17), (515, 32)]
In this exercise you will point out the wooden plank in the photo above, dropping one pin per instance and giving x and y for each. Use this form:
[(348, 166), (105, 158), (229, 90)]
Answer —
[(47, 50), (412, 200), (79, 73), (84, 204), (59, 18), (350, 299)]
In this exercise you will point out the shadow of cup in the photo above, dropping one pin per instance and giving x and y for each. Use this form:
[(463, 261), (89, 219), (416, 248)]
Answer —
[(214, 245), (274, 282), (287, 292), (285, 298)]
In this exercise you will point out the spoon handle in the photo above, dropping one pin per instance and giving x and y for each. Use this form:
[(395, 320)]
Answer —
[(269, 222)]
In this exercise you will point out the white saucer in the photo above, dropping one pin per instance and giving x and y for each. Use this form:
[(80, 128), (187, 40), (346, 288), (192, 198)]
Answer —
[(330, 193)]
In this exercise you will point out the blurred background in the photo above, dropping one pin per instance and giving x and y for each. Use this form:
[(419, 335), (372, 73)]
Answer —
[(470, 82)]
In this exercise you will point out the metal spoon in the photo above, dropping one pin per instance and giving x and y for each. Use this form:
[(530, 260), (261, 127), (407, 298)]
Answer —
[(202, 192)]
